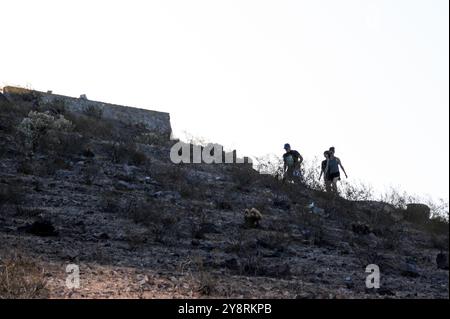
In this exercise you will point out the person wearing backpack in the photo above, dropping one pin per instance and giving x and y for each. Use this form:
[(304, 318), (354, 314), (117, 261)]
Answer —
[(332, 169), (292, 161)]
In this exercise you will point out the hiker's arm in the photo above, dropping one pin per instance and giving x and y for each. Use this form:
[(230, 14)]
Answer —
[(321, 172), (324, 171), (300, 159), (340, 164)]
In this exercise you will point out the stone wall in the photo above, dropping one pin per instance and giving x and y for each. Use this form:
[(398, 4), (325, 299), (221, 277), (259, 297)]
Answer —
[(158, 122)]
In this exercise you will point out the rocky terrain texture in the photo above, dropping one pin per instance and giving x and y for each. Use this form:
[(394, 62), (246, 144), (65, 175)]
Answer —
[(104, 195)]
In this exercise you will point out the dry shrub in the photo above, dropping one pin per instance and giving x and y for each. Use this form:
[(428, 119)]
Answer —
[(397, 198), (205, 283), (252, 264), (311, 173), (41, 131), (356, 192), (21, 278), (271, 165)]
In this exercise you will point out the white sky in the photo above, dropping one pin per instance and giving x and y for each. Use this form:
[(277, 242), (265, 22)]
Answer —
[(369, 77)]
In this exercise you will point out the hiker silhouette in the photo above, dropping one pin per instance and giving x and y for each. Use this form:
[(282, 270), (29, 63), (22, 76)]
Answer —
[(331, 172), (292, 161)]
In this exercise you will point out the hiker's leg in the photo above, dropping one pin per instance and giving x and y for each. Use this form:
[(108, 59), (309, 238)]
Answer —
[(335, 189), (327, 186), (299, 177), (290, 174)]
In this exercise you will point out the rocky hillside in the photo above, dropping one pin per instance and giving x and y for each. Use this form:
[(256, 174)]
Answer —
[(80, 189)]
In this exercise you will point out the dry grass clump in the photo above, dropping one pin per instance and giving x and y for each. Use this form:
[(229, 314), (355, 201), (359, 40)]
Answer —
[(21, 278)]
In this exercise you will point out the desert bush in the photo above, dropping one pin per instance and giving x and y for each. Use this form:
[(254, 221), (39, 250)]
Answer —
[(39, 125), (439, 209), (204, 282), (270, 164), (397, 198), (21, 278), (252, 264), (356, 192), (310, 175)]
